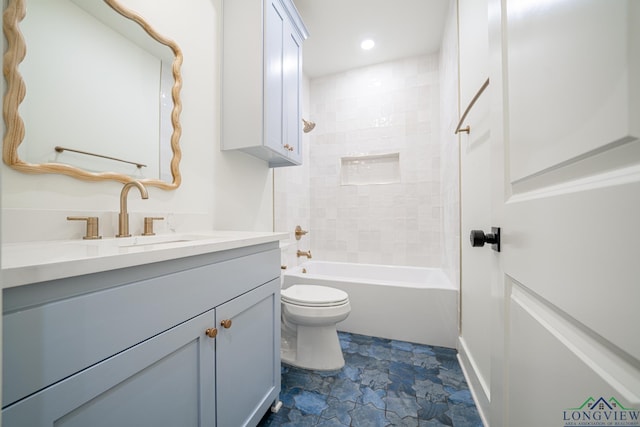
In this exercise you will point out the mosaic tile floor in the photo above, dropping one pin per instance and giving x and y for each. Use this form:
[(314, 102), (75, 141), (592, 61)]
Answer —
[(384, 383)]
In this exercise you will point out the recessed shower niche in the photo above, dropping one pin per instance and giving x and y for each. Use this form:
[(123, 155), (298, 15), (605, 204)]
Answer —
[(370, 169)]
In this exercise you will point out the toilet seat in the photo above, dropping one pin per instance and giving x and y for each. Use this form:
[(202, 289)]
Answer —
[(314, 296)]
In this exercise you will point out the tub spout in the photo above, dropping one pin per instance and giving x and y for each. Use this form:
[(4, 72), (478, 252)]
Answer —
[(301, 253)]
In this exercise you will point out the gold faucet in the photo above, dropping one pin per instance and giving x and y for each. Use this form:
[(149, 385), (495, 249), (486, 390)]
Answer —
[(123, 217), (300, 253)]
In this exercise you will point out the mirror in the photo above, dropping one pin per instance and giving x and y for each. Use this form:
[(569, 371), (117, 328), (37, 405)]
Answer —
[(122, 124)]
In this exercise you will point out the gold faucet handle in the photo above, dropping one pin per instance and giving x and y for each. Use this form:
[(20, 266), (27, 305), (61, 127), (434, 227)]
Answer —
[(300, 232), (148, 225), (93, 229)]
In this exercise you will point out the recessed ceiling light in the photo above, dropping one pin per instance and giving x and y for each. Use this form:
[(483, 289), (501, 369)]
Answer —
[(367, 44)]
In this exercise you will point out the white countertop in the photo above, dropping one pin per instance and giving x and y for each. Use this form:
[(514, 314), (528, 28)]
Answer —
[(32, 262)]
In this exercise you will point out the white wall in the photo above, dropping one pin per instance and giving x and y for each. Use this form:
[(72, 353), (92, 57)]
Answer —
[(219, 189)]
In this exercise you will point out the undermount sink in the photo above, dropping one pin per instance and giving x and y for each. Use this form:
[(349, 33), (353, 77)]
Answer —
[(161, 239)]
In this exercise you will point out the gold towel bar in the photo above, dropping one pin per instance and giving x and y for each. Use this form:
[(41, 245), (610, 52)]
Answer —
[(473, 101), (61, 149)]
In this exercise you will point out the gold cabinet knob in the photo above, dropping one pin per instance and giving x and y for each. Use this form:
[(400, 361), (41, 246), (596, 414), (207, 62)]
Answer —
[(226, 323), (211, 332), (288, 147)]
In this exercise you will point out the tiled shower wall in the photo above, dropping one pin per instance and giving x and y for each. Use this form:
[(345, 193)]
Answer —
[(392, 107), (292, 197)]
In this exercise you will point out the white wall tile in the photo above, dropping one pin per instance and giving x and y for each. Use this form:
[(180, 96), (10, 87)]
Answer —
[(380, 109), (390, 107)]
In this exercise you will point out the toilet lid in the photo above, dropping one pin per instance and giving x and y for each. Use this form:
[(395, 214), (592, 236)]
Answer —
[(313, 296)]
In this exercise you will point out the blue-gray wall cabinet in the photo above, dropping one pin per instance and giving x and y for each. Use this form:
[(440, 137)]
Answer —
[(262, 80)]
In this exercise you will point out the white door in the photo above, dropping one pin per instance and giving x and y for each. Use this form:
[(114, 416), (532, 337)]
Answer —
[(564, 311)]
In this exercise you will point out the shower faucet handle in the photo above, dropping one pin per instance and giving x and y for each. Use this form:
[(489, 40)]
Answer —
[(300, 232)]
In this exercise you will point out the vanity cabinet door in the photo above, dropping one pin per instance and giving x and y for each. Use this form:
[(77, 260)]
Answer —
[(167, 380), (248, 356)]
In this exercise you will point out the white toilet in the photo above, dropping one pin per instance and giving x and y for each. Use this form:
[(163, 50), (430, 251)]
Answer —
[(309, 338)]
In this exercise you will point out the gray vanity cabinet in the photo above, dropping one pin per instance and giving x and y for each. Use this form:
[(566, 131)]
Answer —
[(74, 357), (167, 380), (248, 356)]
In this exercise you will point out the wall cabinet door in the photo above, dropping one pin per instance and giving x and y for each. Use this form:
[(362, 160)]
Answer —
[(283, 77), (292, 72), (167, 380), (274, 77), (248, 356)]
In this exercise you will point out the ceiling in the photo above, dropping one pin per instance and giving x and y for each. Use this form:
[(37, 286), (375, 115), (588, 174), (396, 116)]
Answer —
[(400, 28)]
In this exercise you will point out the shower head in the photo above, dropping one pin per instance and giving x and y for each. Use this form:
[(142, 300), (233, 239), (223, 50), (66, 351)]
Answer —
[(308, 126)]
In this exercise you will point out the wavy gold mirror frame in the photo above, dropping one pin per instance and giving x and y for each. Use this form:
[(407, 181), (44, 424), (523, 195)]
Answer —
[(16, 90)]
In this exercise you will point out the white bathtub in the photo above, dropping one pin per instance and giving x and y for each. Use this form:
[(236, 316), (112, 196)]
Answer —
[(402, 303)]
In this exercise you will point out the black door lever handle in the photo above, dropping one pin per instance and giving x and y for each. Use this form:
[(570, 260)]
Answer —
[(478, 238)]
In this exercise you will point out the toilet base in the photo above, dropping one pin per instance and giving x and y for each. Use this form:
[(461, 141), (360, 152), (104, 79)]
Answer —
[(312, 347)]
